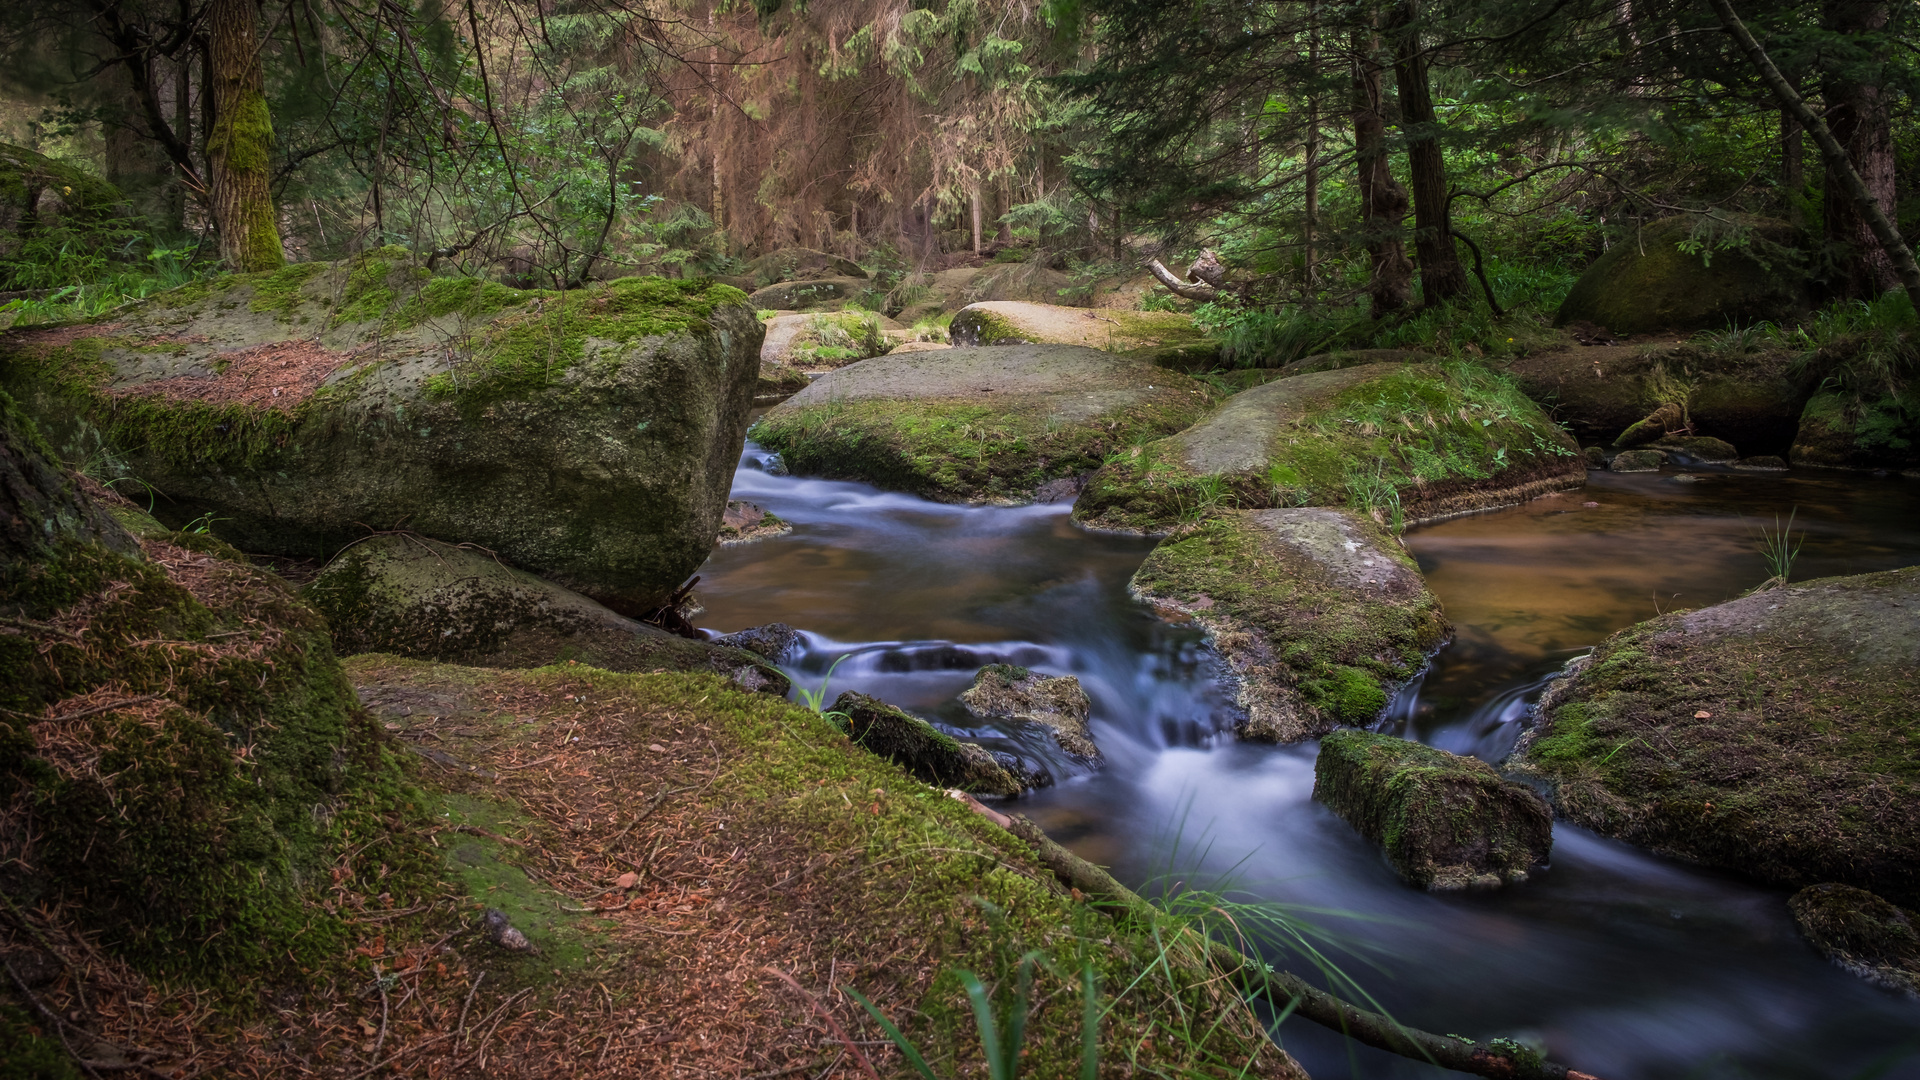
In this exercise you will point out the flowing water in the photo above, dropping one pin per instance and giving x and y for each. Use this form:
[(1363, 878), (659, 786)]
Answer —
[(1619, 962)]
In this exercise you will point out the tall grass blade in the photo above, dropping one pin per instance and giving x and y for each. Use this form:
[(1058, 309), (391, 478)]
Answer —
[(905, 1045)]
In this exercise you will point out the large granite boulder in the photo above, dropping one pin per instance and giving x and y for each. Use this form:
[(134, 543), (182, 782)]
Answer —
[(924, 750), (1405, 441), (1878, 941), (813, 294), (61, 205), (1749, 398), (978, 423), (1057, 704), (1319, 614), (1774, 735), (589, 436), (1012, 322), (926, 296), (421, 598), (798, 264), (1651, 280), (1444, 821)]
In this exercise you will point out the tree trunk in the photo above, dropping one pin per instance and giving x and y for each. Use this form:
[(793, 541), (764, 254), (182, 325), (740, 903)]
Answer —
[(713, 130), (976, 221), (1441, 276), (1313, 157), (240, 139), (1793, 167), (1858, 116), (1383, 202)]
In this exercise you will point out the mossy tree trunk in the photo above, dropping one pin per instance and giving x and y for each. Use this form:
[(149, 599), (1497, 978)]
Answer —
[(240, 140), (1442, 277), (1383, 202), (1859, 117)]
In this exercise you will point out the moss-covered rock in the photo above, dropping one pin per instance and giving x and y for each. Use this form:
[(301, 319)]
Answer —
[(796, 264), (979, 423), (745, 523), (1444, 821), (1318, 612), (49, 208), (1878, 941), (1747, 397), (416, 597), (1845, 431), (589, 435), (924, 750), (921, 296), (1698, 449), (1774, 735), (183, 766), (1058, 704), (1407, 442), (1652, 281), (813, 294), (825, 340), (1013, 322), (1627, 461), (1659, 424)]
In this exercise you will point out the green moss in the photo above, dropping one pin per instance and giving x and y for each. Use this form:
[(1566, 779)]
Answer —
[(28, 1051), (188, 432), (368, 296), (278, 291), (473, 299)]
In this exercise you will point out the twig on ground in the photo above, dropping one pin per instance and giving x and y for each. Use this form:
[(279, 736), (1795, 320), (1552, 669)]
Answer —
[(832, 1021)]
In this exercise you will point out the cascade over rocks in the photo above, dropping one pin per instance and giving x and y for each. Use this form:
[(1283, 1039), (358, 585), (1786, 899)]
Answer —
[(589, 436), (1058, 704), (1773, 735), (1407, 441), (1010, 322), (1319, 614), (925, 751), (977, 423), (1645, 282), (415, 597), (1445, 821)]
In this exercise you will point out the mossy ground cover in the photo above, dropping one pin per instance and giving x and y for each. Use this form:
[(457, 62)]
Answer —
[(1317, 634), (966, 449), (1413, 442), (1774, 736)]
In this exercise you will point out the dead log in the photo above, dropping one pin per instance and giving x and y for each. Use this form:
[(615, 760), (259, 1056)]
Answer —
[(1189, 289)]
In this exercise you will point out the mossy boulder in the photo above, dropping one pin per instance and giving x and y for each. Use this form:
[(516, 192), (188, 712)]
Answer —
[(1651, 280), (1878, 941), (813, 294), (1057, 703), (1013, 322), (415, 597), (1406, 441), (1744, 396), (924, 750), (978, 423), (1839, 430), (1630, 461), (183, 764), (1444, 821), (1699, 449), (1318, 612), (920, 296), (827, 339), (47, 206), (1774, 735), (796, 264), (589, 435)]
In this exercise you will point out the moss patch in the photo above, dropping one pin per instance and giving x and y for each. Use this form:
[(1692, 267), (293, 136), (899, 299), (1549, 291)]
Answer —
[(1444, 821), (921, 749), (1878, 941)]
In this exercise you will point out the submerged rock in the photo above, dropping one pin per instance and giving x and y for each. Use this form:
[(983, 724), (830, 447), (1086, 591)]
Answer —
[(588, 435), (416, 597), (1012, 322), (1773, 735), (1444, 821), (977, 423), (1878, 941), (1648, 282), (925, 751), (1406, 441), (1761, 463), (1317, 611), (1005, 692)]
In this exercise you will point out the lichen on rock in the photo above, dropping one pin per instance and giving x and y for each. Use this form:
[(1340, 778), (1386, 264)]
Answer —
[(1058, 704), (1319, 614), (1444, 821)]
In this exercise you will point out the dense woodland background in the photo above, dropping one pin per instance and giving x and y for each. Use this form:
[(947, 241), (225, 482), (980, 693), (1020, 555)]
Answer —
[(1346, 160)]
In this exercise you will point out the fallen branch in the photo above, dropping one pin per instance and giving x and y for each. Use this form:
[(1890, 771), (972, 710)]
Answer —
[(1288, 992), (1190, 289)]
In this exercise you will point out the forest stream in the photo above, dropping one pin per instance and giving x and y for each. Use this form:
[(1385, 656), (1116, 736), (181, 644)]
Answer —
[(1614, 961)]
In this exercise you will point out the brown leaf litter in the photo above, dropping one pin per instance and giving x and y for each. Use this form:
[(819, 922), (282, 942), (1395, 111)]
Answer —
[(278, 375)]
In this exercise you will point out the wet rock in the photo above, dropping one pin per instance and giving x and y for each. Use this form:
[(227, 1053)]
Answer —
[(1845, 431), (1698, 450), (798, 264), (745, 523), (1761, 463), (1445, 821), (417, 597), (1595, 457), (1317, 611), (813, 294), (1409, 441), (1005, 692), (1637, 461), (1770, 735), (777, 642), (978, 423), (1657, 425), (1012, 322), (1878, 941), (588, 435), (1748, 398), (1063, 489), (923, 750), (1646, 282)]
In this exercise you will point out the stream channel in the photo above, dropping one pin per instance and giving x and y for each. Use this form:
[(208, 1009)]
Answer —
[(1618, 962)]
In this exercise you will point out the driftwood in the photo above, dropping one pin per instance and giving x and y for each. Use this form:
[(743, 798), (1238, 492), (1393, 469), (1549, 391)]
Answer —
[(1285, 990)]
